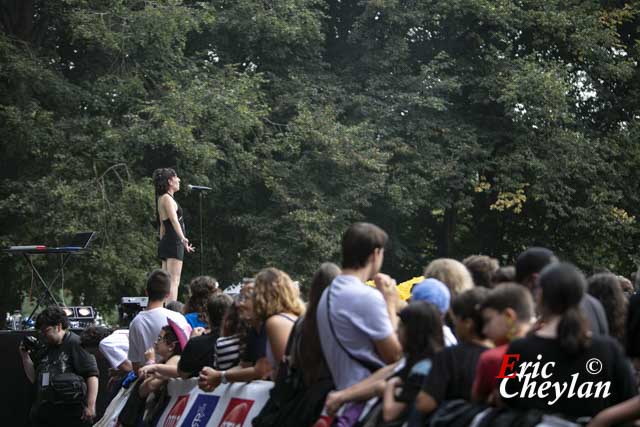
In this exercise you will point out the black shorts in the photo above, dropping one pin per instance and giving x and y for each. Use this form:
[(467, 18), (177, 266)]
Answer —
[(170, 248)]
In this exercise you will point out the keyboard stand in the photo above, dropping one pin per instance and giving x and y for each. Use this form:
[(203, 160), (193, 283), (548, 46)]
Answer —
[(46, 287)]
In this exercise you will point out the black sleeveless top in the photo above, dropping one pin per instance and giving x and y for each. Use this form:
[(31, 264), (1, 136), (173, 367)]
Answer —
[(170, 245)]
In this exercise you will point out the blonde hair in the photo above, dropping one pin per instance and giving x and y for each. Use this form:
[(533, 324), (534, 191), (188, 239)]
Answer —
[(450, 272), (274, 293)]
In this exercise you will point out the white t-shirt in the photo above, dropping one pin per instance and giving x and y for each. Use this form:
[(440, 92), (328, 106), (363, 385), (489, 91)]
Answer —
[(449, 338), (115, 347), (145, 328)]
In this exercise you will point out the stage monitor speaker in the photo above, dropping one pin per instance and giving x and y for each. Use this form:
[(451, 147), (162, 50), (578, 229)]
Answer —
[(129, 308)]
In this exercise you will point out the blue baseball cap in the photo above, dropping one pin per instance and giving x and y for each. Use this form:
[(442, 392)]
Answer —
[(433, 291)]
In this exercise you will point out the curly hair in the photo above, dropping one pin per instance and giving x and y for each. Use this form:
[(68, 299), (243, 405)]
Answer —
[(605, 287), (200, 288), (275, 293), (450, 272)]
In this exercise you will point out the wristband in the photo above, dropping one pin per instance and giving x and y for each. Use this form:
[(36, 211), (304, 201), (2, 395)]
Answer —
[(223, 377)]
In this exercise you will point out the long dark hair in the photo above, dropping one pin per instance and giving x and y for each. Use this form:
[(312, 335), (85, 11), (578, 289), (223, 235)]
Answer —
[(309, 340), (161, 184), (233, 324), (423, 331), (563, 287), (606, 288)]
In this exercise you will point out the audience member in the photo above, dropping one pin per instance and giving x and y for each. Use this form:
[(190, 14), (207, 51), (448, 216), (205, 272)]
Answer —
[(507, 314), (505, 274), (167, 349), (453, 369), (200, 351), (303, 380), (307, 352), (435, 292), (145, 327), (201, 289), (528, 267), (229, 344), (482, 269), (564, 339), (605, 287), (153, 388), (254, 364), (357, 323), (632, 335), (450, 272), (420, 334), (115, 348), (627, 286), (276, 304), (174, 305)]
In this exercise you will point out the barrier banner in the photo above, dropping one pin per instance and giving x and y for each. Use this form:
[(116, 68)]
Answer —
[(175, 411), (229, 405), (201, 410)]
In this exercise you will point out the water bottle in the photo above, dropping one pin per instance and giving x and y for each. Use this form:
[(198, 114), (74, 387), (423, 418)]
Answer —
[(16, 321)]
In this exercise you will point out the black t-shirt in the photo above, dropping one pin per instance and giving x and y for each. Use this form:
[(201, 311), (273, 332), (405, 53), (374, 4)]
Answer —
[(575, 386), (69, 356), (412, 378), (453, 371), (198, 353), (256, 345)]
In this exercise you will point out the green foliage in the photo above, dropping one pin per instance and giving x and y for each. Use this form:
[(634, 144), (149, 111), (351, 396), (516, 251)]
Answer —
[(462, 126)]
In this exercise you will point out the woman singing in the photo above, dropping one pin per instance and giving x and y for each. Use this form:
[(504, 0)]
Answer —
[(172, 239)]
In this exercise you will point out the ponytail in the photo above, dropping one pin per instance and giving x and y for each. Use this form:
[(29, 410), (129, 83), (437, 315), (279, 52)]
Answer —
[(573, 334), (161, 185), (563, 287)]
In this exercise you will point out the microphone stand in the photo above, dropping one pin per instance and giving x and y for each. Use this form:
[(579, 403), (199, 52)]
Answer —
[(200, 190), (201, 234)]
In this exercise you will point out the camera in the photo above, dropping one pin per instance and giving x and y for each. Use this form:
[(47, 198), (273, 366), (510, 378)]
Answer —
[(31, 343)]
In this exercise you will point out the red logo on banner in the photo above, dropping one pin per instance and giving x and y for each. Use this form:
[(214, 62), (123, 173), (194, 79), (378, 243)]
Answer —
[(236, 413), (323, 421), (176, 412)]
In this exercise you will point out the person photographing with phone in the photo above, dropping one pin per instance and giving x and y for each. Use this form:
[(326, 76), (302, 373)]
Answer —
[(64, 373)]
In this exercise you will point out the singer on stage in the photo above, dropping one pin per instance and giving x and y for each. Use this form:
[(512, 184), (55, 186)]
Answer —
[(173, 241)]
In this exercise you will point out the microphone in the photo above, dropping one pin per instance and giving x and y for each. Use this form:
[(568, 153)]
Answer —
[(199, 187)]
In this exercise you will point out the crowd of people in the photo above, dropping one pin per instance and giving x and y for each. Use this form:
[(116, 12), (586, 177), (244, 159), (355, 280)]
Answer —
[(476, 344)]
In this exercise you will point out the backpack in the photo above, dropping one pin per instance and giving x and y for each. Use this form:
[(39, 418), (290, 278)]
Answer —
[(291, 402)]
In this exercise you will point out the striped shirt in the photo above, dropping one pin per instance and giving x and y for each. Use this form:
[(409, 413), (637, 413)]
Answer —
[(227, 352)]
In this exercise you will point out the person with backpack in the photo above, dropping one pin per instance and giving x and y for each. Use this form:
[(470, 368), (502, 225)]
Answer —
[(303, 380)]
